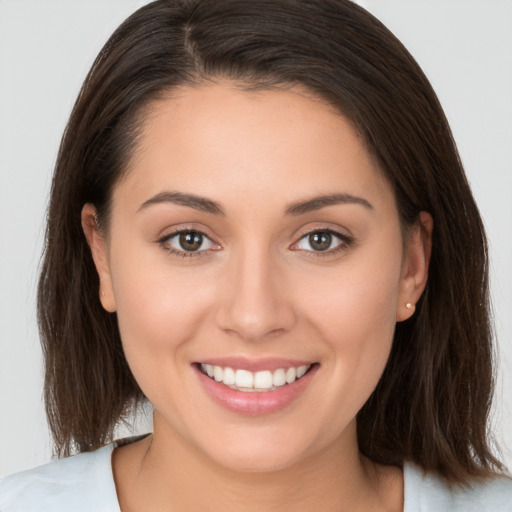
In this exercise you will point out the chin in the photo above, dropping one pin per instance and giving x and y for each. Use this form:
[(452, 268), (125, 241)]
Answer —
[(261, 450), (257, 458)]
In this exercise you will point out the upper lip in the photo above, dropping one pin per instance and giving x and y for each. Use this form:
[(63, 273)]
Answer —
[(254, 364)]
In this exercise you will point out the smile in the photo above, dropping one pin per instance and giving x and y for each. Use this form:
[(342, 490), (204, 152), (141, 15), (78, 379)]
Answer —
[(247, 381), (272, 386)]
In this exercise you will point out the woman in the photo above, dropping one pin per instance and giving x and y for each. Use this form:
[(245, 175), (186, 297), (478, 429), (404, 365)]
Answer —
[(260, 224)]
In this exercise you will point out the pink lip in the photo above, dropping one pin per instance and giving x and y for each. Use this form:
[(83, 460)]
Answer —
[(255, 365), (255, 403)]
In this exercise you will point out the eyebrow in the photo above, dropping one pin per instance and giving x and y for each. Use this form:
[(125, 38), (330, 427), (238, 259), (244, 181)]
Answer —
[(318, 202), (191, 200), (298, 208)]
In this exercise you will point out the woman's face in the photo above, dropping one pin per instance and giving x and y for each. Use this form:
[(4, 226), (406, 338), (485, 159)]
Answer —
[(253, 232)]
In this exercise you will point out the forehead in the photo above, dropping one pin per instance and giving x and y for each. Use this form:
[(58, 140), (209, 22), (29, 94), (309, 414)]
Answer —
[(220, 141)]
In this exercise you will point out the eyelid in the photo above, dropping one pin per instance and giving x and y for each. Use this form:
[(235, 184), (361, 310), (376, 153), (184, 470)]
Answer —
[(164, 242), (345, 241)]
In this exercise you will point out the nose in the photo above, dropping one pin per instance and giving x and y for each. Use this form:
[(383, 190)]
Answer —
[(254, 302)]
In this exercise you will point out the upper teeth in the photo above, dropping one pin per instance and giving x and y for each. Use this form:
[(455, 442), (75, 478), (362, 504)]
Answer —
[(245, 380)]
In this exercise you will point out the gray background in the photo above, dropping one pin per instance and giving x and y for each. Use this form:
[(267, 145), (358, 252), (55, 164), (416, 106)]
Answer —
[(46, 48)]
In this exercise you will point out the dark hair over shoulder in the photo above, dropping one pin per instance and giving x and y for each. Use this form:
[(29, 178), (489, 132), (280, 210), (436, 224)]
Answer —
[(431, 405)]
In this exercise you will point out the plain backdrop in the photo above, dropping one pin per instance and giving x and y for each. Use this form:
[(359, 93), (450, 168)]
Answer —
[(46, 48)]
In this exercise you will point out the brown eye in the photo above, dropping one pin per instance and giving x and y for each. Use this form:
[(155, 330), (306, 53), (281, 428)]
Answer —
[(190, 241), (323, 241), (320, 240)]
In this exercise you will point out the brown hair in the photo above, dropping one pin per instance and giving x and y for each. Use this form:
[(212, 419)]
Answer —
[(431, 405)]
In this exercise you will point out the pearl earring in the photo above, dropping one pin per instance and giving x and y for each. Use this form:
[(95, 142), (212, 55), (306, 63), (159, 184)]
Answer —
[(410, 306)]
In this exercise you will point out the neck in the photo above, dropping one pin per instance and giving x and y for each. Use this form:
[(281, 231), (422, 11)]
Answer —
[(173, 475)]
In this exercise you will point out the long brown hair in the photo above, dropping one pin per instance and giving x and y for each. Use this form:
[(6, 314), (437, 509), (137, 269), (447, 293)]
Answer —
[(431, 405)]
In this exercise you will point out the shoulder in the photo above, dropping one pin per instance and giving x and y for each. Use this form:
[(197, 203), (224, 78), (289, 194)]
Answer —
[(425, 492), (79, 483)]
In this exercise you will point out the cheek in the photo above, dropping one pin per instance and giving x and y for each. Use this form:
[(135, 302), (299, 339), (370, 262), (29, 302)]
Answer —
[(354, 312), (360, 294), (159, 317), (159, 310)]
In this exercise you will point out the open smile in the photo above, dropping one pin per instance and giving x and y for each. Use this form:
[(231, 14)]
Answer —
[(247, 381), (255, 392)]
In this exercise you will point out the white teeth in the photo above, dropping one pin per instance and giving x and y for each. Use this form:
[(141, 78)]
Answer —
[(218, 373), (264, 380), (209, 369), (291, 375), (244, 379), (301, 370), (229, 376), (279, 378)]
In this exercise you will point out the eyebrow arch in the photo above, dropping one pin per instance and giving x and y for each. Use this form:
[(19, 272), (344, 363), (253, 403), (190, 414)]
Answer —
[(207, 205), (191, 200), (318, 202)]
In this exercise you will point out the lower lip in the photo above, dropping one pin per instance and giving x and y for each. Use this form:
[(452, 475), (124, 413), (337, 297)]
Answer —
[(255, 403)]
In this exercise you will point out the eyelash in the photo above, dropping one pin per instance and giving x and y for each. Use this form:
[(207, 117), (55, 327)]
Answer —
[(183, 254), (345, 242)]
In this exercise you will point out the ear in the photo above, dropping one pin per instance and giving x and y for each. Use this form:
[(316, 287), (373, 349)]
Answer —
[(99, 251), (418, 249)]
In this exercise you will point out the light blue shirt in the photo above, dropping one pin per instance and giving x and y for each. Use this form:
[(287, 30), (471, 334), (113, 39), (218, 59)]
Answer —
[(85, 483)]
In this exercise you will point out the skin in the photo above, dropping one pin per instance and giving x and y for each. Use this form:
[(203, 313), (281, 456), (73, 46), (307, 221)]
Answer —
[(260, 291)]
